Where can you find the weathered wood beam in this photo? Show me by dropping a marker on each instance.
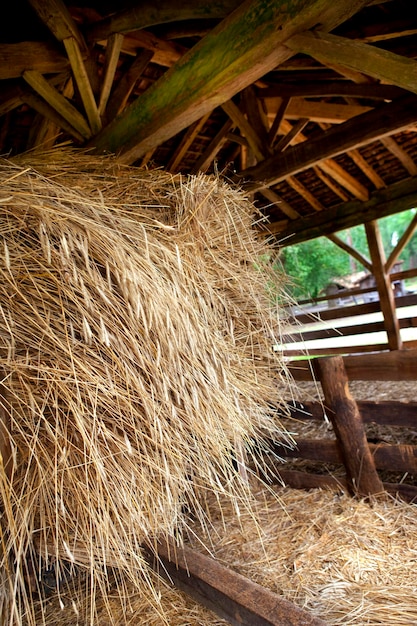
(154, 12)
(286, 140)
(256, 118)
(351, 251)
(359, 131)
(245, 128)
(56, 100)
(364, 166)
(241, 49)
(376, 62)
(348, 426)
(383, 284)
(45, 58)
(276, 123)
(324, 89)
(403, 241)
(317, 111)
(41, 106)
(229, 594)
(393, 199)
(126, 84)
(330, 183)
(400, 154)
(282, 204)
(165, 53)
(56, 16)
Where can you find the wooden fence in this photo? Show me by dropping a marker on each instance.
(298, 332)
(363, 461)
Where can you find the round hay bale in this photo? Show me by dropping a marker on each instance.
(136, 333)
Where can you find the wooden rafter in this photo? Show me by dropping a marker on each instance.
(114, 45)
(241, 49)
(359, 131)
(45, 58)
(186, 142)
(274, 198)
(120, 96)
(279, 116)
(358, 56)
(305, 193)
(203, 163)
(392, 199)
(400, 154)
(324, 89)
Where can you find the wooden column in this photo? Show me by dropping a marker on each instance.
(361, 473)
(383, 283)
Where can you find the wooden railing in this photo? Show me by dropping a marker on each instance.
(297, 332)
(362, 460)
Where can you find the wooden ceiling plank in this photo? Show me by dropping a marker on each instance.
(124, 88)
(147, 13)
(113, 48)
(41, 106)
(305, 193)
(400, 154)
(364, 166)
(356, 132)
(358, 56)
(388, 201)
(383, 283)
(241, 49)
(351, 251)
(322, 89)
(190, 134)
(45, 57)
(83, 83)
(206, 158)
(403, 241)
(56, 100)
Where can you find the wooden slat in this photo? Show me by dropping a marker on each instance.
(370, 60)
(231, 596)
(394, 365)
(359, 131)
(304, 480)
(343, 351)
(241, 49)
(399, 457)
(386, 412)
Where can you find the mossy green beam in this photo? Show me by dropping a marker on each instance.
(241, 49)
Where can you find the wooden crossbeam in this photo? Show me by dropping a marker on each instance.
(358, 56)
(241, 49)
(113, 48)
(351, 251)
(403, 241)
(228, 594)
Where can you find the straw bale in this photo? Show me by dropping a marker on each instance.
(136, 323)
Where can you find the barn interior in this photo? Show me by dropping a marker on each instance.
(307, 109)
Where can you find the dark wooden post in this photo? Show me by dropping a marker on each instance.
(362, 476)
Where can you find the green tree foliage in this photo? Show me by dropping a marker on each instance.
(311, 265)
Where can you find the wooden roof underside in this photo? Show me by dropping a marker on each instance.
(310, 105)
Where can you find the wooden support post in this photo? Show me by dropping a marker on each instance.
(231, 596)
(362, 476)
(383, 283)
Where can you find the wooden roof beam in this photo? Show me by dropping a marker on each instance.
(209, 154)
(190, 134)
(242, 48)
(400, 154)
(124, 88)
(376, 62)
(358, 131)
(393, 199)
(322, 89)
